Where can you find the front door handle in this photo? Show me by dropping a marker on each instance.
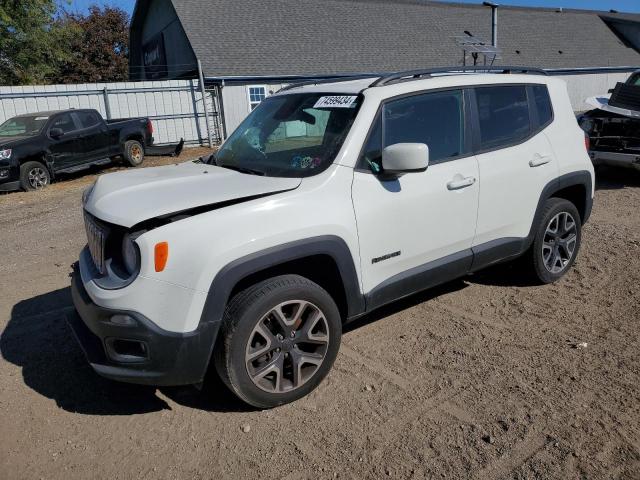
(459, 183)
(538, 160)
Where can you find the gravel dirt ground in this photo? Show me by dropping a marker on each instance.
(485, 378)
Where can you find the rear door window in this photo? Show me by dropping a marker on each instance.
(503, 113)
(88, 119)
(65, 123)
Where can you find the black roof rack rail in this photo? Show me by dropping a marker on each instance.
(337, 78)
(416, 74)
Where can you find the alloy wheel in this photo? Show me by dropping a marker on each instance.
(559, 242)
(38, 178)
(287, 346)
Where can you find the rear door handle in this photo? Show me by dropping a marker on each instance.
(457, 184)
(538, 160)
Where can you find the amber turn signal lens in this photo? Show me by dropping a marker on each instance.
(161, 255)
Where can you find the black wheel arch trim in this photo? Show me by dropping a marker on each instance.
(579, 178)
(335, 247)
(228, 277)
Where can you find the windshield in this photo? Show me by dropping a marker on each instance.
(294, 135)
(22, 126)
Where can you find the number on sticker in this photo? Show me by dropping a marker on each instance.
(337, 101)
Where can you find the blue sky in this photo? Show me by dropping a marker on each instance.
(82, 6)
(621, 5)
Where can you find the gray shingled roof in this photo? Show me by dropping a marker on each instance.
(309, 37)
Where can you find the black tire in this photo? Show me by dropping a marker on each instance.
(559, 257)
(133, 152)
(255, 305)
(34, 176)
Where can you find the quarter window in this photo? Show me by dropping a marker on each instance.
(257, 93)
(543, 104)
(372, 153)
(504, 115)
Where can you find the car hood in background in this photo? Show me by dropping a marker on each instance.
(12, 141)
(602, 102)
(130, 197)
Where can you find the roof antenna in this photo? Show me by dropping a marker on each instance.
(476, 47)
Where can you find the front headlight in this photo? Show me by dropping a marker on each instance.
(5, 154)
(130, 253)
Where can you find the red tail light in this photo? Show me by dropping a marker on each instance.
(587, 142)
(149, 127)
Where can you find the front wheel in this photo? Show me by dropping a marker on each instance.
(557, 241)
(278, 341)
(34, 176)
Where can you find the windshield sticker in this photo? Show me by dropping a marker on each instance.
(305, 162)
(336, 102)
(41, 118)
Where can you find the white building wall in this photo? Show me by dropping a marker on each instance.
(582, 87)
(236, 102)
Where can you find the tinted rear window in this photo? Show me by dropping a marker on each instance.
(504, 115)
(88, 119)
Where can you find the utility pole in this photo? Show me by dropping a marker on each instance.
(204, 102)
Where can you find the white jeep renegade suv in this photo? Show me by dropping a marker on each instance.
(328, 201)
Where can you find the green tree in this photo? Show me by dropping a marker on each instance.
(99, 46)
(33, 43)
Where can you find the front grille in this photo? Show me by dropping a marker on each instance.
(96, 236)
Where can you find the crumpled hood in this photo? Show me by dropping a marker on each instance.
(130, 197)
(602, 102)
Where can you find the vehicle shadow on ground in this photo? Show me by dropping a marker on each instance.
(610, 178)
(38, 339)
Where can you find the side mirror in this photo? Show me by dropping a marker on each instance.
(405, 158)
(56, 133)
(610, 90)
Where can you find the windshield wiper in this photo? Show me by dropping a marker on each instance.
(250, 171)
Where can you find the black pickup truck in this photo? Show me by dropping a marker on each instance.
(34, 148)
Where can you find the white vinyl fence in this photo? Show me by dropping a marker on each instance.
(175, 107)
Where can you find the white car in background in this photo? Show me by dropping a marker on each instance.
(330, 200)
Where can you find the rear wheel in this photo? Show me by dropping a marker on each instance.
(34, 176)
(278, 341)
(133, 152)
(557, 240)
